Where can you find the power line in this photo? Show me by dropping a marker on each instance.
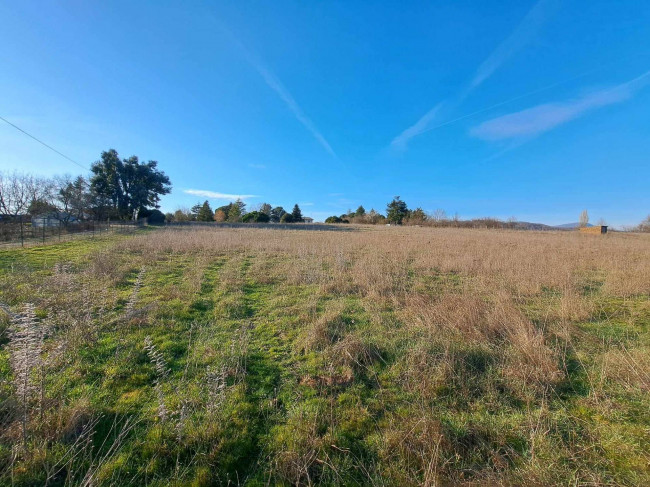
(41, 142)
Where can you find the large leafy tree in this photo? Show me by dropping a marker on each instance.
(128, 184)
(396, 210)
(277, 213)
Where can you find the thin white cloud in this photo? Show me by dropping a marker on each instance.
(418, 127)
(521, 36)
(218, 196)
(516, 41)
(276, 85)
(542, 118)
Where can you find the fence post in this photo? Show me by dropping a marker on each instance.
(93, 227)
(48, 220)
(22, 238)
(59, 230)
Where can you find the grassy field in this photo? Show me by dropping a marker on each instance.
(371, 356)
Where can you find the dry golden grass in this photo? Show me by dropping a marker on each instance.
(360, 356)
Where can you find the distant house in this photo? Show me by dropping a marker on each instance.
(53, 219)
(307, 219)
(595, 230)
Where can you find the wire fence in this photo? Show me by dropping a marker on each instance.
(18, 233)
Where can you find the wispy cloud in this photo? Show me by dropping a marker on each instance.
(542, 118)
(276, 85)
(257, 166)
(217, 195)
(516, 41)
(525, 31)
(418, 127)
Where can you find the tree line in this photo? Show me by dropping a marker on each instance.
(123, 189)
(127, 189)
(236, 212)
(397, 212)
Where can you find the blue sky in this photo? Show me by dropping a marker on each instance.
(485, 108)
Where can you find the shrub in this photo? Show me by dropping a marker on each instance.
(255, 217)
(333, 219)
(154, 217)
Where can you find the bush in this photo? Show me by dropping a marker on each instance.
(336, 219)
(154, 217)
(287, 218)
(255, 217)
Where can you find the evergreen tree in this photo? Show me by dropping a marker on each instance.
(194, 212)
(237, 210)
(296, 214)
(360, 211)
(205, 213)
(417, 216)
(396, 210)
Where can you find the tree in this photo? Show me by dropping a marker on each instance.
(374, 217)
(255, 217)
(417, 216)
(644, 226)
(194, 211)
(296, 214)
(73, 197)
(41, 206)
(182, 215)
(287, 218)
(335, 219)
(361, 211)
(237, 210)
(18, 191)
(129, 185)
(220, 216)
(396, 211)
(205, 213)
(265, 208)
(276, 214)
(225, 209)
(439, 215)
(154, 217)
(584, 219)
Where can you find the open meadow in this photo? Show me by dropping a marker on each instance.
(358, 356)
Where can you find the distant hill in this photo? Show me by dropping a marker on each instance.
(532, 226)
(571, 225)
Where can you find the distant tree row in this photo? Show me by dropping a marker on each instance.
(117, 188)
(397, 212)
(236, 212)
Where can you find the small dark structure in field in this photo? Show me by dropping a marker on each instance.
(596, 230)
